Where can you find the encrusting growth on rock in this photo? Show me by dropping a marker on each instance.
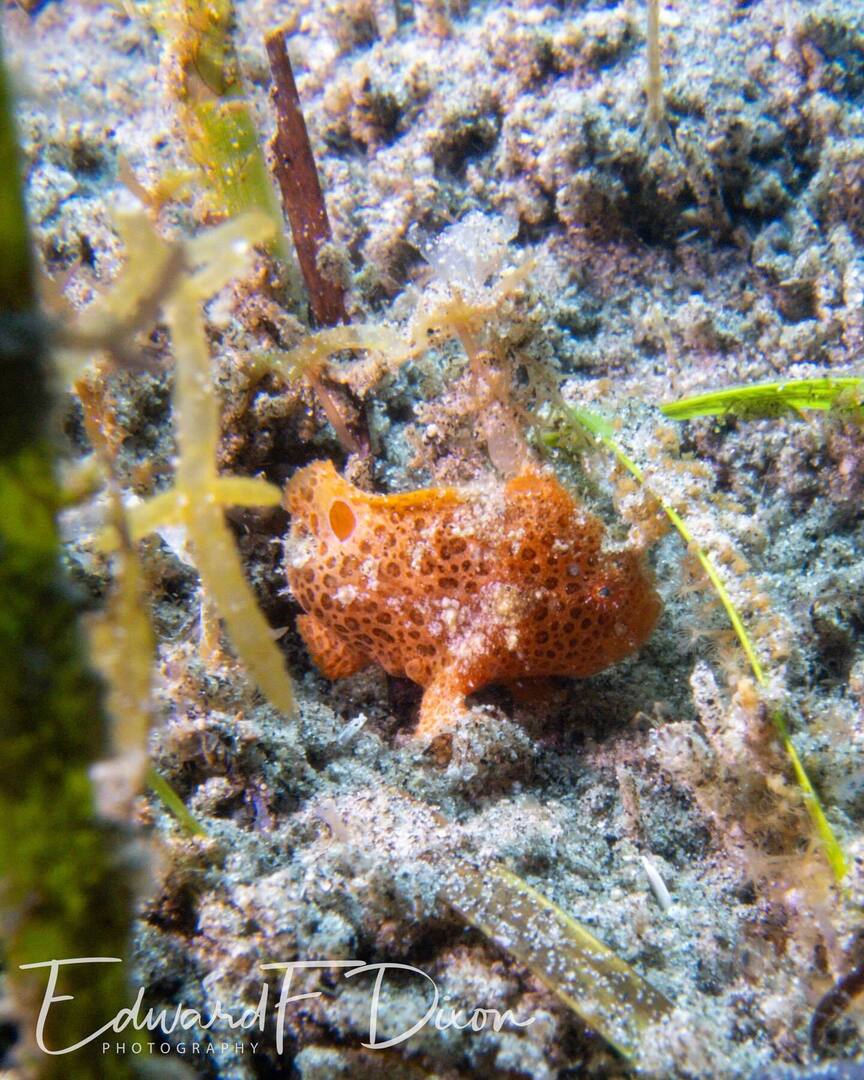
(457, 588)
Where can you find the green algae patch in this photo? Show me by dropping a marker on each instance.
(592, 981)
(59, 861)
(771, 399)
(217, 120)
(602, 431)
(406, 837)
(199, 495)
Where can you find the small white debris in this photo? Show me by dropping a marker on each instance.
(468, 253)
(345, 595)
(116, 782)
(351, 728)
(658, 885)
(176, 539)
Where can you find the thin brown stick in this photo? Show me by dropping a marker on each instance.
(835, 1002)
(298, 181)
(654, 82)
(304, 204)
(345, 412)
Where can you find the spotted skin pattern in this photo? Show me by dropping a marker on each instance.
(457, 588)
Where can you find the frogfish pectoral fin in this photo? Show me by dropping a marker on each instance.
(331, 655)
(442, 705)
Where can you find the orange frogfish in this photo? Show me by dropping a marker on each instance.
(457, 588)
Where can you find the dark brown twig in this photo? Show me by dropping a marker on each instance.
(835, 1002)
(346, 413)
(304, 204)
(301, 191)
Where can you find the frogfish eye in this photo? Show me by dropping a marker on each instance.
(342, 519)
